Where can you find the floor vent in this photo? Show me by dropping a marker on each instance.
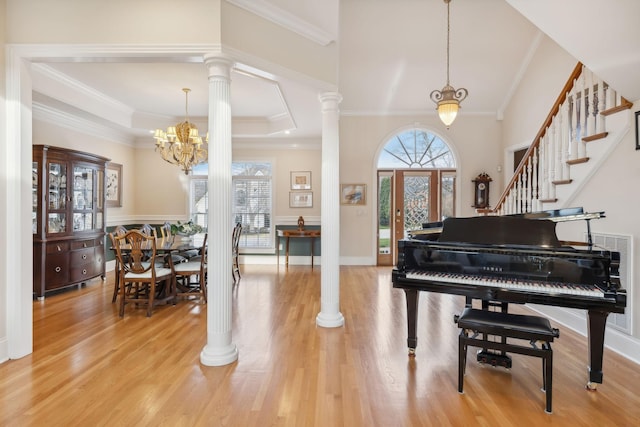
(622, 244)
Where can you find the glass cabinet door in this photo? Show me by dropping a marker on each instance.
(83, 198)
(57, 198)
(34, 197)
(99, 197)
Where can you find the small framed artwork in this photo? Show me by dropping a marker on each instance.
(301, 180)
(114, 185)
(300, 199)
(637, 130)
(353, 194)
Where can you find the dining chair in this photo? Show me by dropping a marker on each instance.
(148, 230)
(165, 230)
(120, 230)
(191, 276)
(139, 275)
(235, 241)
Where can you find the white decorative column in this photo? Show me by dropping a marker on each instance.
(330, 316)
(219, 349)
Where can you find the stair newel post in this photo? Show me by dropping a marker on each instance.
(573, 153)
(600, 119)
(534, 182)
(590, 104)
(557, 151)
(523, 191)
(582, 117)
(529, 188)
(564, 140)
(552, 165)
(544, 189)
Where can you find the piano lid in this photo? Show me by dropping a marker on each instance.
(500, 230)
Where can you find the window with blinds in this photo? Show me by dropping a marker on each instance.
(252, 201)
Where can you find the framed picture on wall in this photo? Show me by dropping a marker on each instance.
(301, 199)
(113, 180)
(301, 180)
(353, 194)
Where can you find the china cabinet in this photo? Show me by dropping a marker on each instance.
(68, 217)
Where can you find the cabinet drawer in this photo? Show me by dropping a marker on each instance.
(56, 270)
(83, 272)
(58, 247)
(84, 243)
(82, 256)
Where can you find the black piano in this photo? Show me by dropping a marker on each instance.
(513, 259)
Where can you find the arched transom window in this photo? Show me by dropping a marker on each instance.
(416, 148)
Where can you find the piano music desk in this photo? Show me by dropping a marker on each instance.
(295, 233)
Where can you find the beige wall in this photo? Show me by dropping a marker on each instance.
(99, 21)
(278, 46)
(475, 141)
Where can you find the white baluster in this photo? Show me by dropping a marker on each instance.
(600, 119)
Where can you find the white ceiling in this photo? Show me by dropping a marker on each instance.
(392, 55)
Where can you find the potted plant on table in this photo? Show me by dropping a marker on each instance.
(188, 228)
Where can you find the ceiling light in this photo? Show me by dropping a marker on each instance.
(180, 144)
(448, 99)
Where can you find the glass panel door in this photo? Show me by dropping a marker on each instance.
(57, 198)
(385, 223)
(99, 197)
(416, 200)
(83, 198)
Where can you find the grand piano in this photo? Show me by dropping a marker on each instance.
(513, 259)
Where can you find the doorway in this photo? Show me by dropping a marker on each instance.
(407, 199)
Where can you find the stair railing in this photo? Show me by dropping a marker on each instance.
(577, 117)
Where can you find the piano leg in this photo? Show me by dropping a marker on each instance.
(412, 318)
(596, 326)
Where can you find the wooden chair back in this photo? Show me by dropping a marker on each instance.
(141, 254)
(148, 230)
(165, 230)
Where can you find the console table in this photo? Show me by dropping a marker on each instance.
(288, 234)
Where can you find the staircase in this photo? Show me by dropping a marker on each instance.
(584, 125)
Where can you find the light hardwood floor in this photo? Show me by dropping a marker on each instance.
(91, 368)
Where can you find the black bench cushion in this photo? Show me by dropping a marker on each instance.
(507, 324)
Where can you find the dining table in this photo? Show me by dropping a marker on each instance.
(166, 246)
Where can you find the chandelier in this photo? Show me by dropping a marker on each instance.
(180, 144)
(448, 99)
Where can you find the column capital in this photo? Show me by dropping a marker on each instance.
(219, 64)
(327, 97)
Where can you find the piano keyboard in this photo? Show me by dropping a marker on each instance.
(511, 284)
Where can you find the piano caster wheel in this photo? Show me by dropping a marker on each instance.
(592, 386)
(412, 352)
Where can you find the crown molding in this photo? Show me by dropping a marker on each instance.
(70, 121)
(286, 20)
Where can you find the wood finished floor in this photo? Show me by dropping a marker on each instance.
(91, 368)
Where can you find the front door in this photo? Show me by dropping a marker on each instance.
(406, 200)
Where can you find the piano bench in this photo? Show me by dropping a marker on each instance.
(476, 324)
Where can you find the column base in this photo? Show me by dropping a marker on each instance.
(327, 320)
(210, 356)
